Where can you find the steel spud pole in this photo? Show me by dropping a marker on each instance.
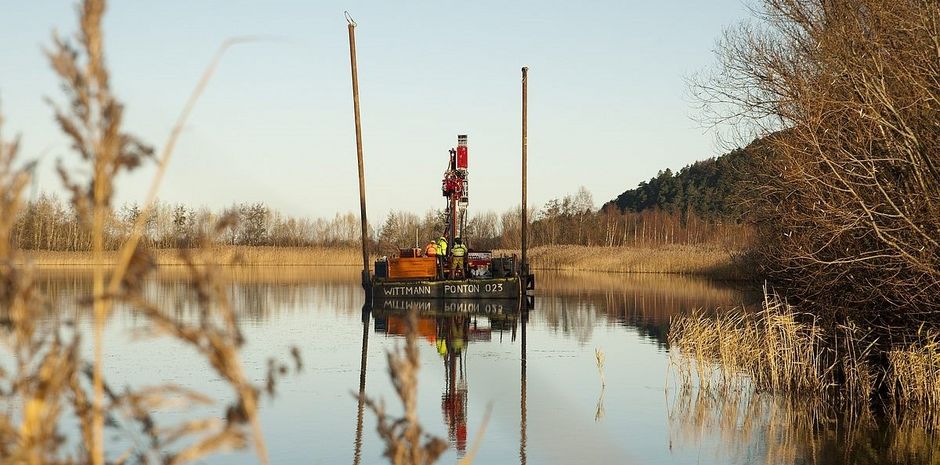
(366, 279)
(525, 221)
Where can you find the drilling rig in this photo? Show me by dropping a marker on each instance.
(455, 188)
(418, 275)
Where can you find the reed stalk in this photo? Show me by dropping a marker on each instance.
(50, 380)
(788, 353)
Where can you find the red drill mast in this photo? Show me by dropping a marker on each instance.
(456, 190)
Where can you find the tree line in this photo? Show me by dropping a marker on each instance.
(710, 189)
(48, 223)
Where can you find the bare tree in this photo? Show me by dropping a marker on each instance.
(847, 180)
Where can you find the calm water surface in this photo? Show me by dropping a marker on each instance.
(538, 372)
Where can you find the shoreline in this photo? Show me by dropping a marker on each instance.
(701, 261)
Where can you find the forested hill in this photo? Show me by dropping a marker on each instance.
(706, 188)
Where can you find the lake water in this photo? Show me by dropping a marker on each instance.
(536, 371)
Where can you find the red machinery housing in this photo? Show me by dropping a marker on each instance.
(455, 188)
(462, 152)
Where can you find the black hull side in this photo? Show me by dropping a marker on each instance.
(488, 288)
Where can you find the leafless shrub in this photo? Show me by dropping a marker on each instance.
(846, 182)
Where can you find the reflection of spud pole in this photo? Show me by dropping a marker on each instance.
(366, 281)
(357, 454)
(522, 400)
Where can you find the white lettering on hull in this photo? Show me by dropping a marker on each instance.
(407, 290)
(461, 288)
(449, 289)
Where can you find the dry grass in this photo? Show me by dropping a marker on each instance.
(688, 260)
(600, 359)
(776, 349)
(782, 351)
(404, 438)
(220, 255)
(913, 376)
(53, 384)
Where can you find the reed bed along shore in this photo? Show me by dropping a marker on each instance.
(224, 255)
(785, 352)
(708, 261)
(686, 260)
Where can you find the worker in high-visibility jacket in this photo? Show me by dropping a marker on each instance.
(442, 246)
(430, 250)
(458, 261)
(441, 249)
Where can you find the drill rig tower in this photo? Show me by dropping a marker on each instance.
(455, 188)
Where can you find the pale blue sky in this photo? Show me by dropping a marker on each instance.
(608, 104)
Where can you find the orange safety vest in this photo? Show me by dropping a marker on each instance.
(431, 249)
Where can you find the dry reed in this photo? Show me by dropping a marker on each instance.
(913, 377)
(776, 349)
(221, 255)
(405, 441)
(52, 380)
(599, 358)
(686, 260)
(404, 438)
(781, 351)
(673, 259)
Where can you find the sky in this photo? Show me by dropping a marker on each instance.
(608, 106)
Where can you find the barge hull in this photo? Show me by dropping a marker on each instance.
(490, 288)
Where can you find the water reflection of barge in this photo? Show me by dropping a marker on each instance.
(452, 327)
(488, 307)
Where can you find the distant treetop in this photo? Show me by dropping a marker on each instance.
(707, 188)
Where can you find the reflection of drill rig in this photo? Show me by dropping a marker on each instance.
(451, 333)
(451, 343)
(456, 189)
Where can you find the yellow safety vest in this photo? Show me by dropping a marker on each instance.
(442, 247)
(460, 250)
